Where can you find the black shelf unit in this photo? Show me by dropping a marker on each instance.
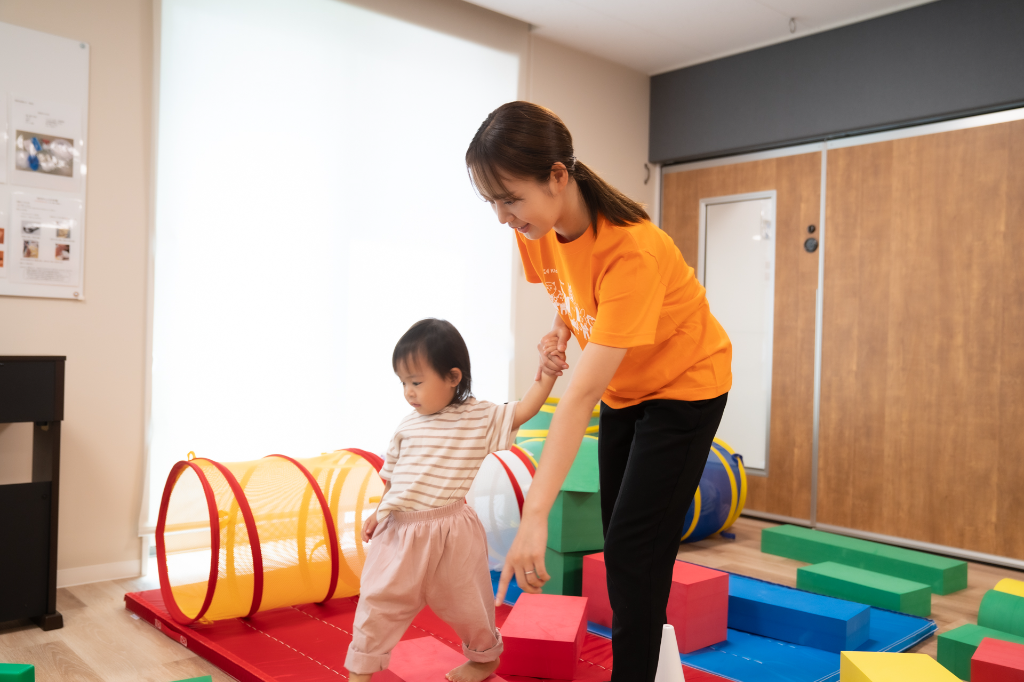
(32, 390)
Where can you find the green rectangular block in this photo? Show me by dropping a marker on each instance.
(566, 571)
(574, 523)
(941, 574)
(957, 646)
(204, 678)
(17, 672)
(866, 587)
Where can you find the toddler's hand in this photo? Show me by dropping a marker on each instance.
(369, 526)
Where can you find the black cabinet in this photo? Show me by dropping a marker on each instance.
(32, 390)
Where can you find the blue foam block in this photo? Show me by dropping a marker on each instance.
(803, 618)
(749, 657)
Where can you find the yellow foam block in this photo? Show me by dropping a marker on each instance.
(874, 666)
(1010, 586)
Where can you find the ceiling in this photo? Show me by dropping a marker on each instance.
(654, 36)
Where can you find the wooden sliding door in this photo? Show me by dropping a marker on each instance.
(922, 392)
(786, 490)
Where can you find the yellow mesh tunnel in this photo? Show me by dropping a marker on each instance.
(263, 534)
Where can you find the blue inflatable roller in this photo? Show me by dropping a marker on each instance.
(720, 497)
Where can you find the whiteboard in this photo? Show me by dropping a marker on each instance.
(44, 108)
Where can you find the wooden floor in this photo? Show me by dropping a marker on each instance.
(102, 642)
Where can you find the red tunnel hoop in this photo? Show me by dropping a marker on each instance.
(524, 457)
(250, 529)
(161, 549)
(511, 479)
(332, 531)
(375, 461)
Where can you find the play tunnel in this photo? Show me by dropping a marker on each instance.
(263, 534)
(721, 496)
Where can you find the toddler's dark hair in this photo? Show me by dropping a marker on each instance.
(441, 345)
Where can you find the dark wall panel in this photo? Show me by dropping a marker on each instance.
(940, 60)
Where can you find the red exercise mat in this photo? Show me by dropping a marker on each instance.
(308, 643)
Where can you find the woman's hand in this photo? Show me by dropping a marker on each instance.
(552, 349)
(525, 559)
(369, 526)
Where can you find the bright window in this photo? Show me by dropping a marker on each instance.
(312, 203)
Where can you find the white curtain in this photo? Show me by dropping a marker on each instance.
(312, 203)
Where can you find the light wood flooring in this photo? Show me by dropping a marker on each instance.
(102, 642)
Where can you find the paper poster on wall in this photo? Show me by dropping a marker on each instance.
(3, 233)
(44, 243)
(44, 145)
(3, 140)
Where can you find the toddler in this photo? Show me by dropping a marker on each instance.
(429, 547)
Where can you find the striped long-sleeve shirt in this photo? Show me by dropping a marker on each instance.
(433, 459)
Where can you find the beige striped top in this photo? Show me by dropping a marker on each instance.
(433, 458)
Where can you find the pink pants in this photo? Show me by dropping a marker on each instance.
(436, 558)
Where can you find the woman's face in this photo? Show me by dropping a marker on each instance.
(533, 208)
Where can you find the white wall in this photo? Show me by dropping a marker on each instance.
(104, 337)
(606, 108)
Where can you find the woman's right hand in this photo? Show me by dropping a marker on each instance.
(552, 348)
(525, 559)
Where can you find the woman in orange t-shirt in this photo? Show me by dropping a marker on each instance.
(653, 354)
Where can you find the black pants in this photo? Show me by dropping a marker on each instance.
(651, 458)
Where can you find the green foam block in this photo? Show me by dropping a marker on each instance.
(17, 672)
(941, 574)
(957, 646)
(574, 523)
(866, 587)
(1002, 611)
(204, 678)
(566, 571)
(583, 476)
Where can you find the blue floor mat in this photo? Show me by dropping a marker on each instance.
(749, 658)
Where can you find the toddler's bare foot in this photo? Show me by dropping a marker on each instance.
(473, 672)
(360, 677)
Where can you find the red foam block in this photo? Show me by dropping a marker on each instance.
(425, 660)
(543, 636)
(997, 661)
(698, 605)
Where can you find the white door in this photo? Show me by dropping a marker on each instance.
(737, 267)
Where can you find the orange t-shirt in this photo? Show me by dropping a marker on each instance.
(629, 287)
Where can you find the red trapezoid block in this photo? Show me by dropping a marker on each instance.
(698, 605)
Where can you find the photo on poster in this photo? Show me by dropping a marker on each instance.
(45, 145)
(39, 153)
(30, 248)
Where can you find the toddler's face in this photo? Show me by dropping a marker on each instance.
(426, 390)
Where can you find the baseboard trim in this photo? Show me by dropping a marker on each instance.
(776, 517)
(980, 557)
(69, 577)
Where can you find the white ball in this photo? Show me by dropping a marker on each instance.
(494, 499)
